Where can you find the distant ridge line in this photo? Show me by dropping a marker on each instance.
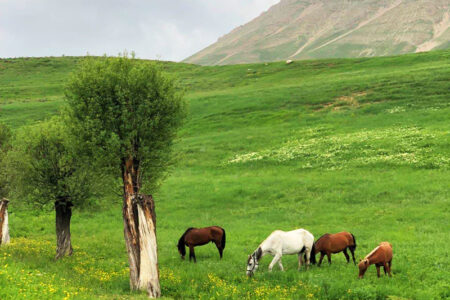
(305, 29)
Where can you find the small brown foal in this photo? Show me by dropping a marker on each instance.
(380, 256)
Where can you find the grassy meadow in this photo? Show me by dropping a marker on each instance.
(361, 145)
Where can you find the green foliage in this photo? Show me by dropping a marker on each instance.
(123, 108)
(44, 167)
(5, 136)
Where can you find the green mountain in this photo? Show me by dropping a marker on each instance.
(305, 29)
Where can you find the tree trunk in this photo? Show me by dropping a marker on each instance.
(63, 214)
(140, 233)
(4, 226)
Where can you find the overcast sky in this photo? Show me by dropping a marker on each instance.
(164, 29)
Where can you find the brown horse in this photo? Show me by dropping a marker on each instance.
(201, 236)
(380, 256)
(335, 243)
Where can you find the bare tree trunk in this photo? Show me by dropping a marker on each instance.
(63, 215)
(4, 225)
(140, 233)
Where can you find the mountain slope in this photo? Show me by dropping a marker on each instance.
(305, 29)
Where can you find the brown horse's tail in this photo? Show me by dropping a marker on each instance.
(354, 241)
(313, 254)
(223, 239)
(181, 243)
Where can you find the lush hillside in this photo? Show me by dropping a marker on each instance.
(342, 144)
(305, 29)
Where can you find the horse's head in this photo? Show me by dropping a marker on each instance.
(363, 265)
(182, 251)
(252, 265)
(181, 248)
(253, 262)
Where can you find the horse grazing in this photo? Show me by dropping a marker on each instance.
(335, 243)
(279, 243)
(380, 256)
(201, 236)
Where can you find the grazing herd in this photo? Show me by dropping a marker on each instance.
(299, 242)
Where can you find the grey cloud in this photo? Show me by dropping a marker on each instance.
(168, 29)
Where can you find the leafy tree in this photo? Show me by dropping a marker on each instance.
(5, 137)
(128, 113)
(45, 170)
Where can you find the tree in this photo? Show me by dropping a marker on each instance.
(5, 139)
(4, 226)
(45, 170)
(128, 113)
(5, 136)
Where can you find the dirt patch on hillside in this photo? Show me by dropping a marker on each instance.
(347, 101)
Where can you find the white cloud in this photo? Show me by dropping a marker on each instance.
(170, 29)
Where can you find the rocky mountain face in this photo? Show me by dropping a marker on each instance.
(307, 29)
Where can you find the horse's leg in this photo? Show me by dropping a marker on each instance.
(346, 255)
(274, 261)
(299, 261)
(389, 270)
(352, 250)
(329, 257)
(308, 256)
(378, 270)
(219, 247)
(280, 264)
(192, 254)
(322, 255)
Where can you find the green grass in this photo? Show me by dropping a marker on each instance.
(361, 145)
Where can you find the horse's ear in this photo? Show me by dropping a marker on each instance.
(258, 253)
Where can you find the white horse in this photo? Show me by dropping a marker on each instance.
(279, 243)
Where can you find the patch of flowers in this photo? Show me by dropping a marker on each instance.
(320, 148)
(219, 288)
(29, 282)
(395, 110)
(169, 276)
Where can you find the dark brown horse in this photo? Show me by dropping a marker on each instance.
(201, 236)
(380, 256)
(335, 243)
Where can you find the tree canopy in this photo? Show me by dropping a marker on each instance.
(123, 108)
(44, 167)
(5, 139)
